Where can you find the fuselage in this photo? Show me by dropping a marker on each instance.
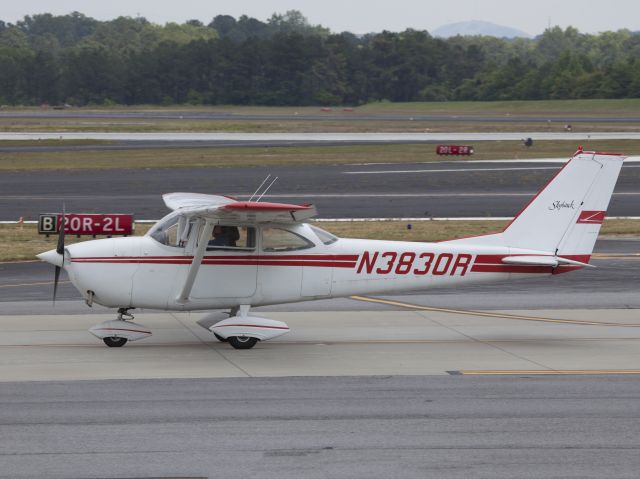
(302, 263)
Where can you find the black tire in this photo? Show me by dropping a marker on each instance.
(242, 342)
(220, 338)
(114, 342)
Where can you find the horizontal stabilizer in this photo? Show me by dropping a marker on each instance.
(552, 261)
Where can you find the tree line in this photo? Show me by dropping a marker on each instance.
(285, 60)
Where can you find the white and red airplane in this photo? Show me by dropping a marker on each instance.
(263, 253)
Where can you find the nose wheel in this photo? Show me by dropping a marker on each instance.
(114, 342)
(118, 332)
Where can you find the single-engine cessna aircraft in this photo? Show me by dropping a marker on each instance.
(215, 253)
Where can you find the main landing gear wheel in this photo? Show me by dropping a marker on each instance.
(242, 342)
(114, 342)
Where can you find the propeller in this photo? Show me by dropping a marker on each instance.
(60, 251)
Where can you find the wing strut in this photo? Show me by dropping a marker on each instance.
(197, 261)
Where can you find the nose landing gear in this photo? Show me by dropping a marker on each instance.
(114, 341)
(117, 332)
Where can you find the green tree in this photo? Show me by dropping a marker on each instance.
(293, 21)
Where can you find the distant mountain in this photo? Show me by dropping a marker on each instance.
(476, 27)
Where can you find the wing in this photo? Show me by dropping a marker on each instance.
(213, 207)
(177, 201)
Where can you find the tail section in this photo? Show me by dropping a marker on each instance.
(565, 217)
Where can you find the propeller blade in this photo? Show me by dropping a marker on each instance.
(60, 247)
(55, 283)
(59, 250)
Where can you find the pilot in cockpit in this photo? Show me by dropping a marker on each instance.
(224, 236)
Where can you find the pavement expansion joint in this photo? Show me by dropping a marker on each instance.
(210, 346)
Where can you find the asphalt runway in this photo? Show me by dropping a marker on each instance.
(443, 189)
(409, 427)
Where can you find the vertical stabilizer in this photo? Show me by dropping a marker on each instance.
(566, 216)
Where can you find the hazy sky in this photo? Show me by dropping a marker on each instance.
(359, 16)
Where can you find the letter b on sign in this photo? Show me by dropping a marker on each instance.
(48, 224)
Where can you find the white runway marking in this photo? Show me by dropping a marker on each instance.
(629, 159)
(458, 170)
(452, 170)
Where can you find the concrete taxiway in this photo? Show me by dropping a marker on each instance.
(406, 393)
(412, 341)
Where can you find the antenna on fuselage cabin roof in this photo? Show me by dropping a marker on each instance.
(267, 189)
(258, 188)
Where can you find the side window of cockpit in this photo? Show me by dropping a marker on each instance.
(276, 239)
(232, 237)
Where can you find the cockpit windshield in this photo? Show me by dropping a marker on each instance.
(172, 230)
(324, 236)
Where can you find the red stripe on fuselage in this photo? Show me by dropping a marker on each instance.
(261, 262)
(319, 257)
(335, 261)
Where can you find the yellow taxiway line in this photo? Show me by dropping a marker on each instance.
(550, 372)
(625, 256)
(491, 315)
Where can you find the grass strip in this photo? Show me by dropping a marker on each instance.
(629, 106)
(293, 155)
(409, 124)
